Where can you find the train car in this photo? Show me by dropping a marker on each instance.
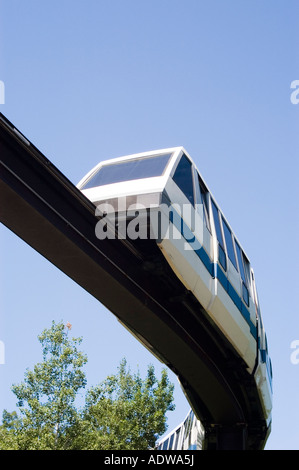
(189, 435)
(171, 198)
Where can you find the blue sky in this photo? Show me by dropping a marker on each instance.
(90, 80)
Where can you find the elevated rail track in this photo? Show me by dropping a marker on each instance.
(42, 207)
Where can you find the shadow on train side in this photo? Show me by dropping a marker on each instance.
(159, 254)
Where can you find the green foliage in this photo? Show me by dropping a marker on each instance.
(122, 412)
(126, 412)
(46, 398)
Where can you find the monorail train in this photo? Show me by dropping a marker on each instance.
(188, 435)
(195, 239)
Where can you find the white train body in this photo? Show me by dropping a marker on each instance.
(189, 435)
(198, 244)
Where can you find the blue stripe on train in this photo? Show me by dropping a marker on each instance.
(214, 270)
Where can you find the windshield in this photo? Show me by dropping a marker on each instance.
(144, 167)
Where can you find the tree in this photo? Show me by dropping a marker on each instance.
(122, 412)
(46, 397)
(125, 412)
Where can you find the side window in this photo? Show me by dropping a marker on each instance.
(221, 252)
(241, 259)
(177, 435)
(183, 178)
(229, 243)
(201, 198)
(165, 444)
(171, 441)
(240, 262)
(247, 270)
(217, 224)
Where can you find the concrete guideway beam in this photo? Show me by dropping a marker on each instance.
(48, 212)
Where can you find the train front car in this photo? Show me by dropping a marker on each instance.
(177, 211)
(127, 182)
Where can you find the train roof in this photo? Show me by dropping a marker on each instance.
(176, 151)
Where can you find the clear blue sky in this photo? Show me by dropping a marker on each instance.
(96, 79)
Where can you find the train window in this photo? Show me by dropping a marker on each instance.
(245, 293)
(217, 224)
(201, 198)
(187, 426)
(229, 243)
(145, 167)
(183, 178)
(171, 441)
(240, 262)
(221, 252)
(165, 444)
(247, 270)
(177, 434)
